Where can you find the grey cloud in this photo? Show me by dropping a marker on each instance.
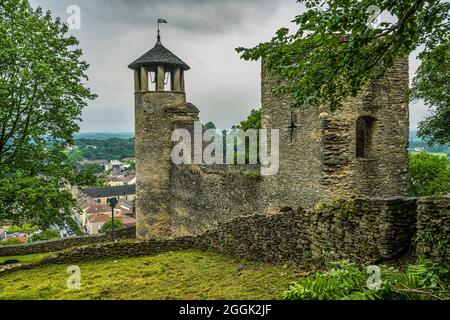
(205, 16)
(203, 33)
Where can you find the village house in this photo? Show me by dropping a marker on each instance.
(93, 215)
(102, 195)
(97, 220)
(120, 179)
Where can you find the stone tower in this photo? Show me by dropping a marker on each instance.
(160, 107)
(361, 150)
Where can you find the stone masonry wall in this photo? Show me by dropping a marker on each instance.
(298, 182)
(203, 196)
(433, 228)
(65, 243)
(383, 171)
(153, 149)
(318, 159)
(363, 230)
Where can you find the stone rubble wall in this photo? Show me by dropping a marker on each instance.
(64, 243)
(362, 230)
(433, 228)
(366, 231)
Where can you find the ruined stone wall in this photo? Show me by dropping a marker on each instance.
(383, 172)
(362, 230)
(204, 196)
(318, 160)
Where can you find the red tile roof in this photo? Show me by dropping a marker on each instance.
(98, 208)
(96, 218)
(99, 218)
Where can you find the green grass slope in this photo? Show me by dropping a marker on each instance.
(173, 275)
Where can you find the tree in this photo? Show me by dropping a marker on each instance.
(210, 126)
(48, 234)
(337, 50)
(42, 94)
(87, 176)
(429, 175)
(253, 121)
(432, 84)
(108, 226)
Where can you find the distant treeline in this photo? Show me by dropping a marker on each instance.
(111, 149)
(103, 135)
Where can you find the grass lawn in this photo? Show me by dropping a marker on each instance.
(173, 275)
(25, 259)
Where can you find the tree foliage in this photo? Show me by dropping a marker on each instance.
(429, 175)
(210, 126)
(432, 84)
(108, 226)
(110, 149)
(336, 50)
(42, 94)
(253, 121)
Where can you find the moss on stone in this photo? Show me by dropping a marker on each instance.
(345, 208)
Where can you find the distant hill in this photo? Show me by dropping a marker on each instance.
(417, 143)
(104, 135)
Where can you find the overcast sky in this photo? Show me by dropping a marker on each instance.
(203, 33)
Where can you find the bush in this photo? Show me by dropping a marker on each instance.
(346, 281)
(10, 242)
(48, 234)
(26, 228)
(108, 226)
(429, 175)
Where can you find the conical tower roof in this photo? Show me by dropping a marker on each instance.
(159, 55)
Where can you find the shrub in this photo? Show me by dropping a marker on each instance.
(108, 226)
(48, 234)
(429, 175)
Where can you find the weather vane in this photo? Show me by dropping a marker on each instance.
(159, 22)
